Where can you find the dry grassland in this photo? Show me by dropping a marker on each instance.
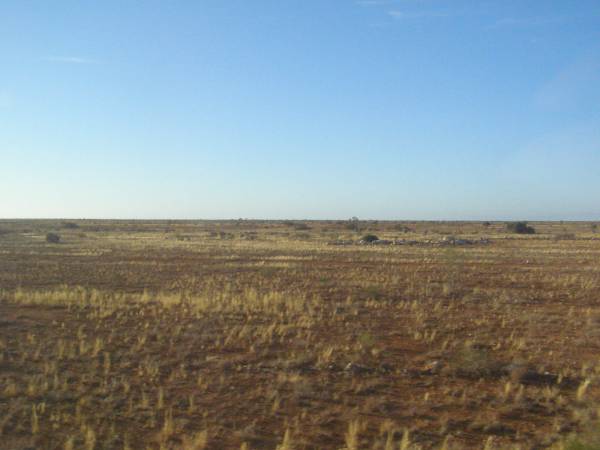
(259, 335)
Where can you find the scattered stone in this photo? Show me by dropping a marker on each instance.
(432, 367)
(451, 240)
(386, 368)
(356, 369)
(382, 242)
(448, 240)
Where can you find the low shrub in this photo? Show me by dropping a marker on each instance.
(70, 225)
(520, 228)
(475, 362)
(301, 226)
(52, 238)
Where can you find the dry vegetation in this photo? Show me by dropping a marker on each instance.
(258, 335)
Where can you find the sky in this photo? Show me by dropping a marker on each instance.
(300, 109)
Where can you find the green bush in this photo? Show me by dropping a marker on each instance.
(52, 238)
(70, 225)
(520, 228)
(475, 362)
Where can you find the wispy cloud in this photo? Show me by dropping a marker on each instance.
(391, 8)
(526, 22)
(70, 60)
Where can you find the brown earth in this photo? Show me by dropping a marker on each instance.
(239, 333)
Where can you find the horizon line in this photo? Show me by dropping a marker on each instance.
(254, 219)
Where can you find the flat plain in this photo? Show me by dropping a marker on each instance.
(263, 335)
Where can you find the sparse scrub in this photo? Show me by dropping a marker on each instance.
(52, 238)
(277, 342)
(301, 226)
(520, 228)
(70, 225)
(474, 361)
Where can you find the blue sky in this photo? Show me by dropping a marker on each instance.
(397, 109)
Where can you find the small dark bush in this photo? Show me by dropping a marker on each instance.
(52, 238)
(301, 226)
(487, 224)
(70, 225)
(520, 228)
(369, 238)
(475, 362)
